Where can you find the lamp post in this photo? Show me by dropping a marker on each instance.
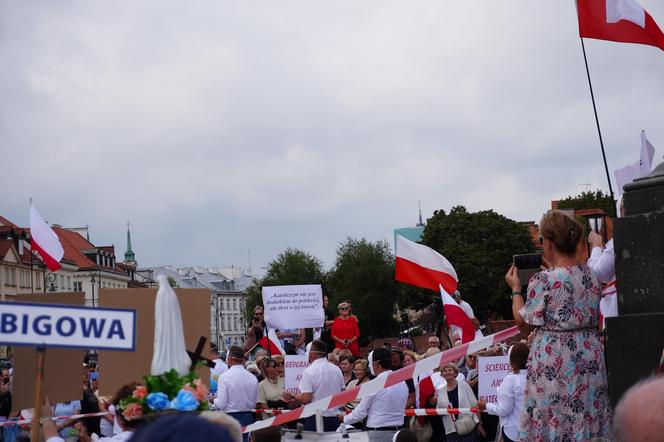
(50, 279)
(92, 284)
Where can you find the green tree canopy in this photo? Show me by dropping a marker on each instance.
(364, 273)
(589, 200)
(290, 267)
(480, 246)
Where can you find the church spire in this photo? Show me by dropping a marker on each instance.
(420, 223)
(129, 257)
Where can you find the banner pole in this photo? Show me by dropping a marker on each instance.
(599, 131)
(39, 381)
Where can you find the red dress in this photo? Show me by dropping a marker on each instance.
(346, 329)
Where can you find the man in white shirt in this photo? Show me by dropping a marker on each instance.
(319, 380)
(383, 410)
(602, 262)
(238, 389)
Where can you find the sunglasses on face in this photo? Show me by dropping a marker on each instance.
(472, 357)
(343, 308)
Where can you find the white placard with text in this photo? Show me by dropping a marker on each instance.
(492, 371)
(293, 306)
(294, 366)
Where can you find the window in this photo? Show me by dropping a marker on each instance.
(38, 281)
(78, 286)
(233, 303)
(235, 322)
(25, 278)
(68, 282)
(62, 282)
(222, 323)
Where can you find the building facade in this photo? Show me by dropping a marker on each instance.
(227, 287)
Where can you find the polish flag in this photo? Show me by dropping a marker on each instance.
(422, 266)
(623, 21)
(271, 343)
(456, 317)
(44, 240)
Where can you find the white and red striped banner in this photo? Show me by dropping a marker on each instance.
(412, 371)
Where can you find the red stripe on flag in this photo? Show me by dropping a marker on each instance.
(411, 273)
(456, 316)
(267, 343)
(51, 263)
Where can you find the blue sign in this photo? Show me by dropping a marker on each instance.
(67, 326)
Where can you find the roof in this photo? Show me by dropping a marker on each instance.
(73, 243)
(5, 245)
(5, 222)
(213, 278)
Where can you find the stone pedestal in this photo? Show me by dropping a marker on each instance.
(634, 339)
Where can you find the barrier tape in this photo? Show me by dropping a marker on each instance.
(438, 411)
(54, 418)
(407, 412)
(425, 366)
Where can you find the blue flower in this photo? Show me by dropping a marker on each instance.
(184, 401)
(157, 401)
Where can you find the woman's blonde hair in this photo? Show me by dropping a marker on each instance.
(412, 354)
(563, 230)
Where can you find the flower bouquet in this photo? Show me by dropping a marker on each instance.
(164, 393)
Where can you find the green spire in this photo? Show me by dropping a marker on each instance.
(129, 254)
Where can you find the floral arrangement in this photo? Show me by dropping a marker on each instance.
(166, 392)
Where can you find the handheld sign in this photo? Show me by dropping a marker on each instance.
(67, 326)
(492, 371)
(294, 366)
(293, 306)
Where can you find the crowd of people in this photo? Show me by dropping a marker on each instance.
(556, 389)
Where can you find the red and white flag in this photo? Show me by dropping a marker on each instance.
(641, 168)
(44, 240)
(456, 317)
(271, 343)
(624, 21)
(422, 266)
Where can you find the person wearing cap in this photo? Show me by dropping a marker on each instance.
(345, 331)
(384, 410)
(319, 380)
(237, 392)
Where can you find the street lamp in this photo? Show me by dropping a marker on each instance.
(50, 279)
(92, 284)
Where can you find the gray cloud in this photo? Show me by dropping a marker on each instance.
(216, 127)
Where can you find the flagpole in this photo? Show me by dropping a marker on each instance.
(599, 131)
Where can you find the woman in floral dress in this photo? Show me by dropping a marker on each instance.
(566, 396)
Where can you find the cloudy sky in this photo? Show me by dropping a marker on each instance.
(220, 127)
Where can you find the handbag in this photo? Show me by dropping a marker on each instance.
(423, 432)
(464, 424)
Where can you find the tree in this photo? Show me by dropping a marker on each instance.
(290, 267)
(364, 273)
(590, 200)
(480, 246)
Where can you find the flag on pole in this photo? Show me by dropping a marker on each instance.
(456, 317)
(623, 21)
(639, 169)
(422, 266)
(44, 240)
(271, 343)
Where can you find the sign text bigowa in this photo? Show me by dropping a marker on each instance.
(67, 326)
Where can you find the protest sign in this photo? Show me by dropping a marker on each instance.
(492, 371)
(293, 306)
(62, 371)
(294, 366)
(66, 326)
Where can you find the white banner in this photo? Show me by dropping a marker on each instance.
(294, 366)
(492, 371)
(67, 326)
(293, 306)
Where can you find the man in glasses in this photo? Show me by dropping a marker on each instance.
(433, 342)
(256, 329)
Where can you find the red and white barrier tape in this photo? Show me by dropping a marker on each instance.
(71, 416)
(412, 371)
(438, 411)
(407, 412)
